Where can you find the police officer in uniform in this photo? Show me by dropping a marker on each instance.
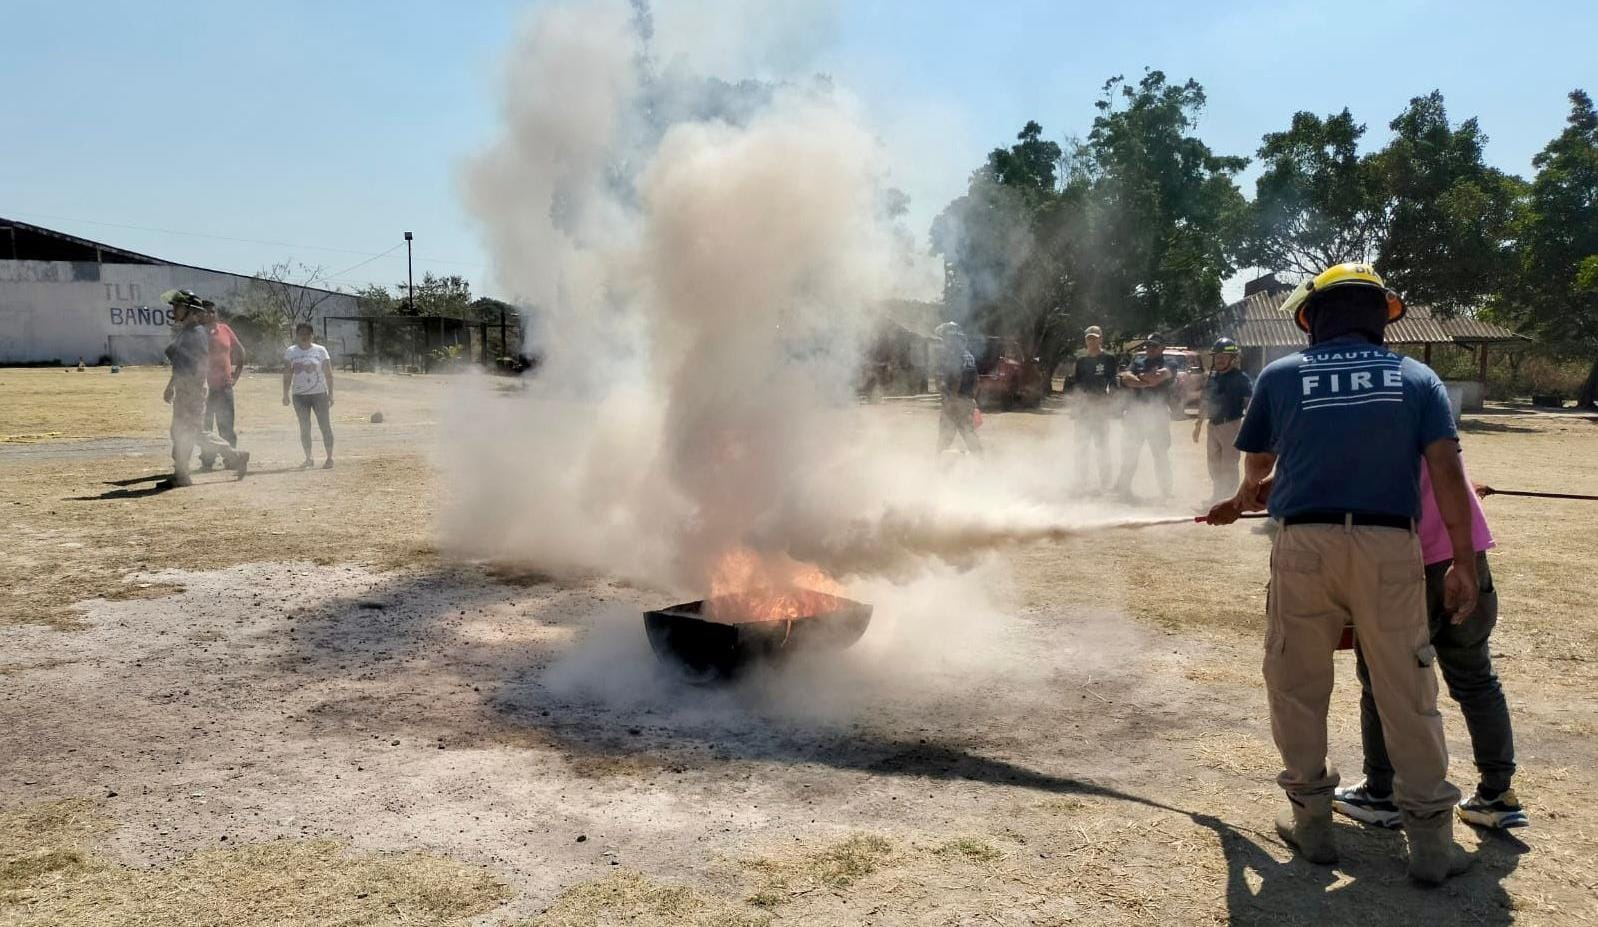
(1150, 380)
(1344, 424)
(1094, 381)
(189, 354)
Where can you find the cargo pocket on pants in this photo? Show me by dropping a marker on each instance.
(1296, 584)
(1403, 596)
(1273, 623)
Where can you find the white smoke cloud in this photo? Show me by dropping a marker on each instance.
(705, 257)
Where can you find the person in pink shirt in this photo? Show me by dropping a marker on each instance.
(1463, 653)
(226, 365)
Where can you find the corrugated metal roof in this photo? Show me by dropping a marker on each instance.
(1477, 331)
(1257, 321)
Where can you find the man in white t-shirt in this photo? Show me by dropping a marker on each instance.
(308, 385)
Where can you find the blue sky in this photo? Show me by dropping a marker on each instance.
(318, 132)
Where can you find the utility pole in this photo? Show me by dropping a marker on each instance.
(410, 278)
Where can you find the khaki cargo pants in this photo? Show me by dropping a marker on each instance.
(1323, 576)
(1222, 456)
(188, 427)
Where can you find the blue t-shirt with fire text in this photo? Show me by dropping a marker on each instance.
(1348, 421)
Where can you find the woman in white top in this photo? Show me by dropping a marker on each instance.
(308, 384)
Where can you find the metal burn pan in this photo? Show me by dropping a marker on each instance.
(710, 649)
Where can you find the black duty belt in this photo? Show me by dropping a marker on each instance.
(1366, 519)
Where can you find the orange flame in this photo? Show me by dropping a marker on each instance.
(744, 586)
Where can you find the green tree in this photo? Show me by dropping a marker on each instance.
(1557, 291)
(1139, 235)
(1004, 271)
(1449, 239)
(1159, 213)
(986, 235)
(1316, 203)
(488, 309)
(374, 301)
(449, 296)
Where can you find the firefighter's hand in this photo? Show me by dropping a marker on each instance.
(168, 393)
(1198, 426)
(285, 398)
(1460, 589)
(1224, 513)
(1248, 499)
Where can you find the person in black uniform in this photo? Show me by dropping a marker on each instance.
(1226, 394)
(1151, 377)
(1093, 380)
(957, 390)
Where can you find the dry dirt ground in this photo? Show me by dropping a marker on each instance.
(312, 716)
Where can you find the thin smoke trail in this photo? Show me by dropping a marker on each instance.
(897, 541)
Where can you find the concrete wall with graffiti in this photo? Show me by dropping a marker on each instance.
(62, 311)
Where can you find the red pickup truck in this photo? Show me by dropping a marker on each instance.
(1006, 377)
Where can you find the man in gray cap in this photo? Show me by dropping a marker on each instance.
(1093, 380)
(1148, 416)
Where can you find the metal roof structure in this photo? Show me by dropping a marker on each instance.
(1257, 321)
(23, 241)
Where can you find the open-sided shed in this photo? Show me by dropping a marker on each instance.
(1265, 333)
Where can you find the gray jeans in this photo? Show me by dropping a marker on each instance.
(304, 406)
(219, 418)
(1466, 660)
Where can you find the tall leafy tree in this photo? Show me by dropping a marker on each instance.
(1448, 241)
(1138, 233)
(1316, 203)
(1160, 212)
(1557, 289)
(449, 296)
(988, 238)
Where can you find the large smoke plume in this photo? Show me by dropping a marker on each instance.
(704, 258)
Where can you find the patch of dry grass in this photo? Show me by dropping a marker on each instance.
(1232, 752)
(969, 848)
(630, 898)
(49, 876)
(141, 590)
(52, 404)
(66, 550)
(76, 533)
(831, 868)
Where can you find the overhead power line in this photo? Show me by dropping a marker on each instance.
(250, 241)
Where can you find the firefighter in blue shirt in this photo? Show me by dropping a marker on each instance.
(1344, 424)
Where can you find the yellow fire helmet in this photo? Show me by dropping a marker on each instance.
(1340, 275)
